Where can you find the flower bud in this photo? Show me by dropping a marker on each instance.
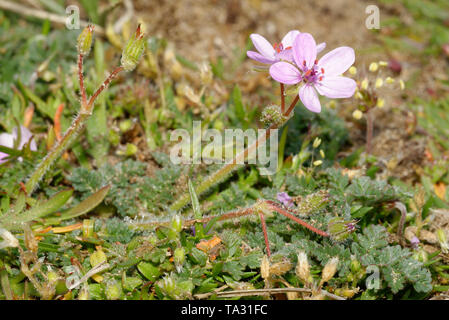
(303, 268)
(329, 269)
(339, 229)
(365, 83)
(176, 223)
(383, 63)
(402, 84)
(316, 142)
(179, 258)
(85, 40)
(380, 103)
(443, 241)
(317, 163)
(205, 74)
(379, 83)
(167, 285)
(355, 265)
(373, 67)
(357, 114)
(389, 80)
(133, 51)
(353, 70)
(421, 255)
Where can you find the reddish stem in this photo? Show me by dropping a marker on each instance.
(292, 106)
(282, 98)
(81, 79)
(265, 233)
(104, 85)
(274, 207)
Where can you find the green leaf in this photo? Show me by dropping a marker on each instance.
(195, 203)
(149, 270)
(130, 283)
(198, 257)
(84, 206)
(40, 210)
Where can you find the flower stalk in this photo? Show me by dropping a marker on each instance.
(227, 169)
(130, 57)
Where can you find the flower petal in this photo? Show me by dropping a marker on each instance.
(285, 72)
(258, 57)
(289, 38)
(336, 87)
(25, 137)
(263, 46)
(337, 61)
(6, 140)
(304, 49)
(321, 47)
(309, 98)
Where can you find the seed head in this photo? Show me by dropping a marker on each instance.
(265, 267)
(273, 115)
(303, 268)
(329, 269)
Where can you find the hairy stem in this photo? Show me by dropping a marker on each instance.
(274, 207)
(81, 80)
(282, 98)
(265, 233)
(192, 222)
(221, 173)
(70, 135)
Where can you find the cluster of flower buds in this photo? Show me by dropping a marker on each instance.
(370, 89)
(272, 115)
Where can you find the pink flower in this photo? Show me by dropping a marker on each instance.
(285, 199)
(323, 76)
(279, 51)
(8, 139)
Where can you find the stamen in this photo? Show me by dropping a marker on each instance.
(321, 78)
(322, 70)
(316, 61)
(304, 63)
